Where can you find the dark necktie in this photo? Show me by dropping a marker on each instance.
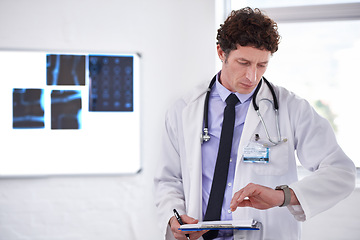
(213, 210)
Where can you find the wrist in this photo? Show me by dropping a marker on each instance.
(294, 199)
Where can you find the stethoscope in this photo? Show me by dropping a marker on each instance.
(205, 135)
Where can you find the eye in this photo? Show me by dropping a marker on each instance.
(244, 63)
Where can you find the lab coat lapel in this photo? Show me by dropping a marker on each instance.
(252, 120)
(192, 124)
(192, 118)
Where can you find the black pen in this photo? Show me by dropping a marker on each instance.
(177, 215)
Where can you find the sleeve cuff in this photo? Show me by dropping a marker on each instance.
(298, 212)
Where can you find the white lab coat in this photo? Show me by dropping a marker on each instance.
(178, 181)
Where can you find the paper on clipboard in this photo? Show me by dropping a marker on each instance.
(218, 225)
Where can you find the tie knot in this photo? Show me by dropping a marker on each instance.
(232, 99)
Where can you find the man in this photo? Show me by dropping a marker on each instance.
(261, 158)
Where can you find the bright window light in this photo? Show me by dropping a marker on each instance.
(318, 60)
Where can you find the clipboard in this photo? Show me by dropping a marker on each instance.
(221, 225)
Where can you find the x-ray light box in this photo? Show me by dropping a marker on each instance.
(69, 113)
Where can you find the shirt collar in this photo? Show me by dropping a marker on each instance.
(224, 92)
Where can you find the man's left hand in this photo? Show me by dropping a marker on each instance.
(259, 197)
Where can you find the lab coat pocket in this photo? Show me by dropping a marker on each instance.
(278, 162)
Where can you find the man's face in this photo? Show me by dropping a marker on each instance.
(243, 68)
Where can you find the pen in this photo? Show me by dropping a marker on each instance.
(177, 215)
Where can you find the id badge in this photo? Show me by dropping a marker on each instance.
(256, 153)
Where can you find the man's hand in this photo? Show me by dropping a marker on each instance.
(260, 197)
(180, 235)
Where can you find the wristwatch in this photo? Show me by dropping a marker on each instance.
(287, 194)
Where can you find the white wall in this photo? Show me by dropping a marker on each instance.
(177, 41)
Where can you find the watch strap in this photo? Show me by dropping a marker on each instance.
(287, 194)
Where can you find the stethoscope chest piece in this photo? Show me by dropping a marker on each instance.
(204, 137)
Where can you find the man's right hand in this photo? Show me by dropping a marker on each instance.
(180, 235)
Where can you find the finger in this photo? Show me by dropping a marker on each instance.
(198, 234)
(244, 196)
(180, 236)
(245, 203)
(188, 220)
(241, 196)
(236, 197)
(174, 225)
(247, 192)
(233, 205)
(192, 234)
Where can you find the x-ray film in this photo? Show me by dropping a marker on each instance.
(111, 83)
(65, 69)
(28, 108)
(65, 109)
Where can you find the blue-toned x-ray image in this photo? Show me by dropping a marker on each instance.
(28, 108)
(66, 109)
(65, 69)
(111, 83)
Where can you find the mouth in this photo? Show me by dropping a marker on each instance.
(246, 85)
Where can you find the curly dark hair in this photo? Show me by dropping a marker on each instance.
(248, 27)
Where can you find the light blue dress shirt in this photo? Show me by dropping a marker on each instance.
(209, 149)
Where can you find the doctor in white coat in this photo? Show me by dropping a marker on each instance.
(305, 134)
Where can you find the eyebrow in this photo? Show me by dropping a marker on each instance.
(246, 60)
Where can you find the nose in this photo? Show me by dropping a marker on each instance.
(251, 74)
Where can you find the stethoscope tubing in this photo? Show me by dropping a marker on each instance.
(205, 135)
(206, 105)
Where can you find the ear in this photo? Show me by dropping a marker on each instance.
(220, 53)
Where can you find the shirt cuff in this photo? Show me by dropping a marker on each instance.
(298, 212)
